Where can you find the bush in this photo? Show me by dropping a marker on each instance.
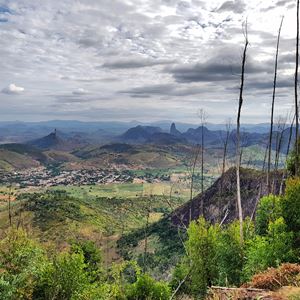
(201, 247)
(92, 258)
(291, 205)
(269, 209)
(270, 250)
(64, 279)
(229, 255)
(146, 288)
(21, 262)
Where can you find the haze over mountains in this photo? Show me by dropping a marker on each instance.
(16, 131)
(81, 145)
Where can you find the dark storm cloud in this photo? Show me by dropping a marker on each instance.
(214, 71)
(168, 90)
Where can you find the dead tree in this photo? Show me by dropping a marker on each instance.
(281, 128)
(296, 93)
(290, 137)
(146, 240)
(192, 167)
(9, 205)
(202, 116)
(225, 145)
(272, 108)
(238, 150)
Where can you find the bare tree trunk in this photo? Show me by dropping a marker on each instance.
(290, 137)
(272, 109)
(192, 170)
(279, 138)
(225, 143)
(259, 189)
(146, 241)
(202, 118)
(296, 92)
(238, 150)
(285, 173)
(192, 173)
(9, 206)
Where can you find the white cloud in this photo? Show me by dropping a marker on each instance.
(76, 50)
(79, 92)
(13, 89)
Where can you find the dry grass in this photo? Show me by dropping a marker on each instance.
(275, 278)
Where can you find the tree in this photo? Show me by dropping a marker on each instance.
(64, 279)
(269, 209)
(201, 245)
(296, 93)
(229, 255)
(270, 250)
(202, 116)
(22, 262)
(146, 288)
(238, 148)
(273, 104)
(291, 205)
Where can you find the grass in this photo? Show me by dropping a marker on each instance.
(124, 190)
(101, 213)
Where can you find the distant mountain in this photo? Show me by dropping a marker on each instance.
(139, 134)
(162, 138)
(54, 141)
(211, 138)
(174, 131)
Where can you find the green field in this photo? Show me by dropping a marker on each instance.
(124, 190)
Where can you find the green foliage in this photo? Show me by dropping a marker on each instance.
(269, 209)
(292, 161)
(146, 288)
(52, 206)
(180, 276)
(229, 253)
(201, 247)
(269, 250)
(291, 205)
(22, 261)
(64, 279)
(92, 258)
(168, 247)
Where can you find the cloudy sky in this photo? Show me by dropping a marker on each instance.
(142, 60)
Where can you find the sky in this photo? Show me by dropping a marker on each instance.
(145, 60)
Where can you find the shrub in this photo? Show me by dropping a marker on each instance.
(201, 247)
(229, 255)
(146, 288)
(21, 262)
(270, 250)
(269, 209)
(92, 258)
(291, 205)
(64, 279)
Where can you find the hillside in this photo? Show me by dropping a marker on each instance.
(20, 156)
(55, 141)
(99, 213)
(219, 200)
(123, 155)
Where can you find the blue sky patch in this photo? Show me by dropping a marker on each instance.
(4, 10)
